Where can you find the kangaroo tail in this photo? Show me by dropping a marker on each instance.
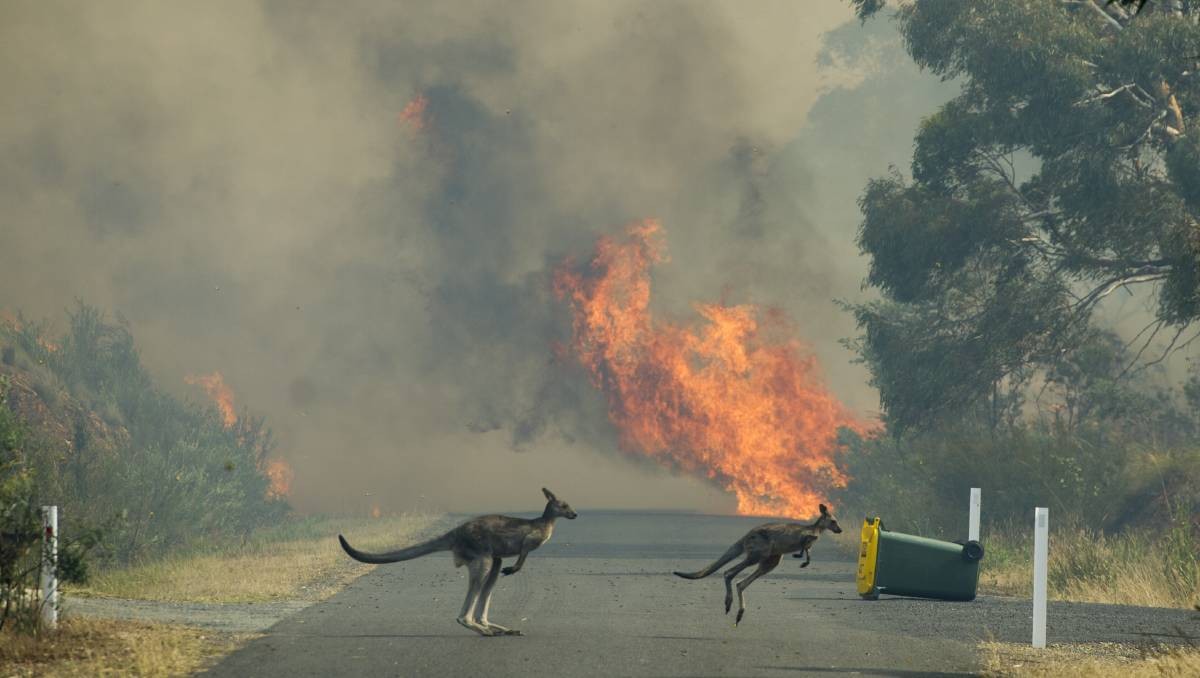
(442, 543)
(733, 552)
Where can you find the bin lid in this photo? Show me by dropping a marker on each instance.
(868, 554)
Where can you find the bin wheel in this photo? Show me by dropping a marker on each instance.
(873, 594)
(972, 551)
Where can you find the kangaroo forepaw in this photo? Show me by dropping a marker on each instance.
(508, 570)
(739, 617)
(803, 565)
(728, 604)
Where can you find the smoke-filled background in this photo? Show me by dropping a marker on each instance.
(355, 214)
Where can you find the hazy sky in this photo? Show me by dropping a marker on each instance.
(237, 179)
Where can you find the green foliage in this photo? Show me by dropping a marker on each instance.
(1183, 162)
(1115, 461)
(11, 434)
(1182, 544)
(1059, 174)
(21, 562)
(1092, 441)
(98, 361)
(20, 532)
(1066, 169)
(153, 471)
(921, 483)
(20, 527)
(865, 9)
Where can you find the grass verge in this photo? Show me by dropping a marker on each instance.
(1089, 660)
(297, 560)
(106, 647)
(1087, 566)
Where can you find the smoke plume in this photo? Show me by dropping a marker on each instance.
(353, 214)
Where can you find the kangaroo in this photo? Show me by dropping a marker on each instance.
(480, 544)
(764, 546)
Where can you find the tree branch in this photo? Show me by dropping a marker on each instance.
(1098, 10)
(1173, 105)
(1169, 349)
(1149, 129)
(1118, 8)
(1110, 94)
(1158, 325)
(1050, 250)
(1092, 298)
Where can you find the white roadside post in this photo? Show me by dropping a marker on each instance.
(1041, 543)
(49, 566)
(973, 525)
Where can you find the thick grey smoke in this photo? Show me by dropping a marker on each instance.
(238, 180)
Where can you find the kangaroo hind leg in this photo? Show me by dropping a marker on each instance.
(476, 573)
(485, 602)
(730, 574)
(763, 568)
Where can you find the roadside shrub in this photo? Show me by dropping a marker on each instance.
(20, 532)
(923, 482)
(1125, 518)
(155, 471)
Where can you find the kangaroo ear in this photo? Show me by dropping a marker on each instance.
(549, 495)
(824, 511)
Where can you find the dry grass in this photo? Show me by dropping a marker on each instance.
(298, 560)
(301, 559)
(1092, 660)
(105, 647)
(1086, 566)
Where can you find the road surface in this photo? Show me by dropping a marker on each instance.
(599, 600)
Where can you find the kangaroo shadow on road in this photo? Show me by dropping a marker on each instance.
(367, 635)
(823, 577)
(870, 672)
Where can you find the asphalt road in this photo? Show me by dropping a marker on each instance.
(599, 600)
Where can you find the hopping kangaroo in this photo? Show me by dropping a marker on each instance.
(480, 544)
(764, 546)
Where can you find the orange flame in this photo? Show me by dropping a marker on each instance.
(222, 395)
(281, 475)
(731, 399)
(414, 113)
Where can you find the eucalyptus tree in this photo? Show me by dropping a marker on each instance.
(1067, 169)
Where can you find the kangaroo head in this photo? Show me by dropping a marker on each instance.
(827, 521)
(558, 508)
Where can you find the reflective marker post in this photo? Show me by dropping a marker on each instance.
(973, 525)
(50, 566)
(1041, 542)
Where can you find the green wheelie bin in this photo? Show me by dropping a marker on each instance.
(905, 565)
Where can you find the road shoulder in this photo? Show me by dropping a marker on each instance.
(192, 610)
